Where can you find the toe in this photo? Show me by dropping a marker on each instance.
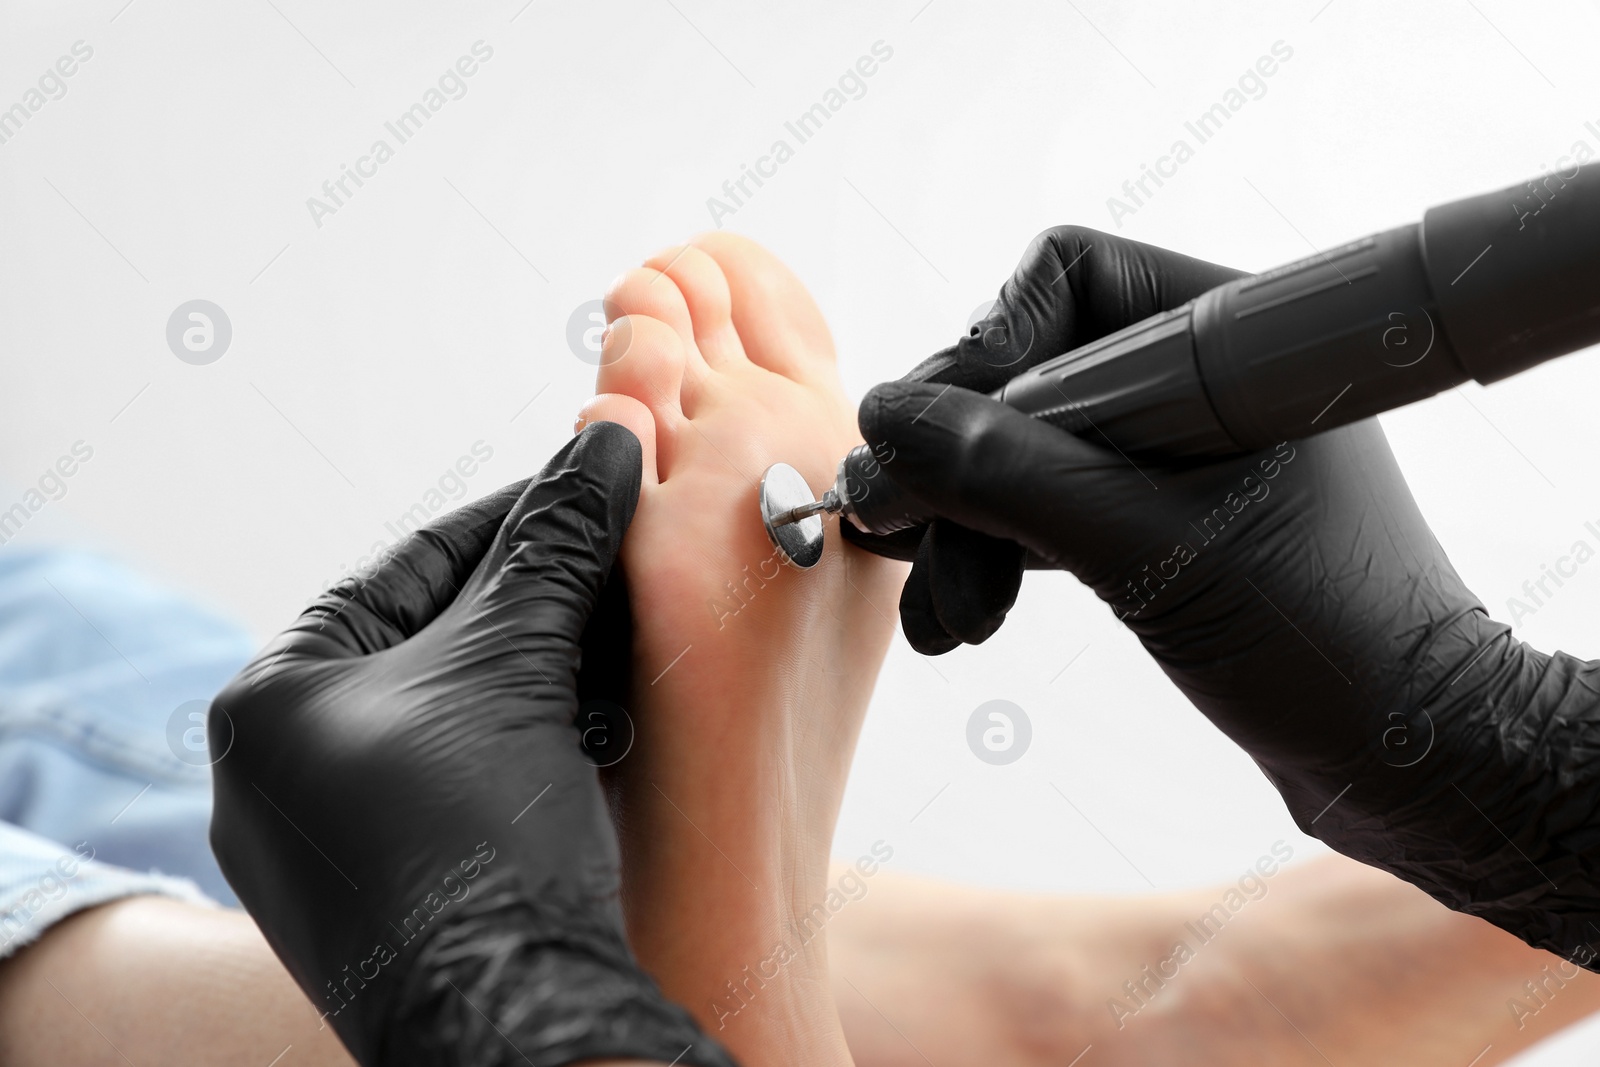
(625, 410)
(705, 291)
(643, 358)
(781, 327)
(647, 291)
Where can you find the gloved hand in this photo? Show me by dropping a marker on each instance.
(1296, 596)
(403, 803)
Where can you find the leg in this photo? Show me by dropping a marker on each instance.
(156, 982)
(752, 676)
(1369, 970)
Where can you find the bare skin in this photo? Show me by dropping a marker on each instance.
(157, 982)
(161, 983)
(1335, 962)
(752, 677)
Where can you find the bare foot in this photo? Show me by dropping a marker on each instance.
(751, 676)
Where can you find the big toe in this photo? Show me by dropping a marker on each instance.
(625, 411)
(643, 358)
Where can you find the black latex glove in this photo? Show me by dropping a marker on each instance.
(404, 805)
(1296, 596)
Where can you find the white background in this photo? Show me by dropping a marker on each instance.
(370, 353)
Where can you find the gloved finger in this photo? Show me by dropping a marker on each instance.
(1073, 285)
(901, 545)
(981, 464)
(973, 578)
(403, 590)
(919, 619)
(538, 586)
(605, 675)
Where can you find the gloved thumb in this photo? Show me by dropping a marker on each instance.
(979, 463)
(541, 581)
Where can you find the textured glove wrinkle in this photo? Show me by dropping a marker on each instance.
(340, 623)
(540, 608)
(559, 544)
(1478, 789)
(363, 613)
(1506, 826)
(587, 496)
(534, 974)
(941, 368)
(416, 580)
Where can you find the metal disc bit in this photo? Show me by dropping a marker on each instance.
(782, 490)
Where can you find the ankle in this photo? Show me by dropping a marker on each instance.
(778, 1008)
(731, 946)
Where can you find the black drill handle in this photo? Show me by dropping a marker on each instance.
(1482, 288)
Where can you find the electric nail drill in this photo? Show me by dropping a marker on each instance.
(1481, 288)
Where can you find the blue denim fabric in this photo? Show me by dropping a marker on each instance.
(98, 751)
(42, 882)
